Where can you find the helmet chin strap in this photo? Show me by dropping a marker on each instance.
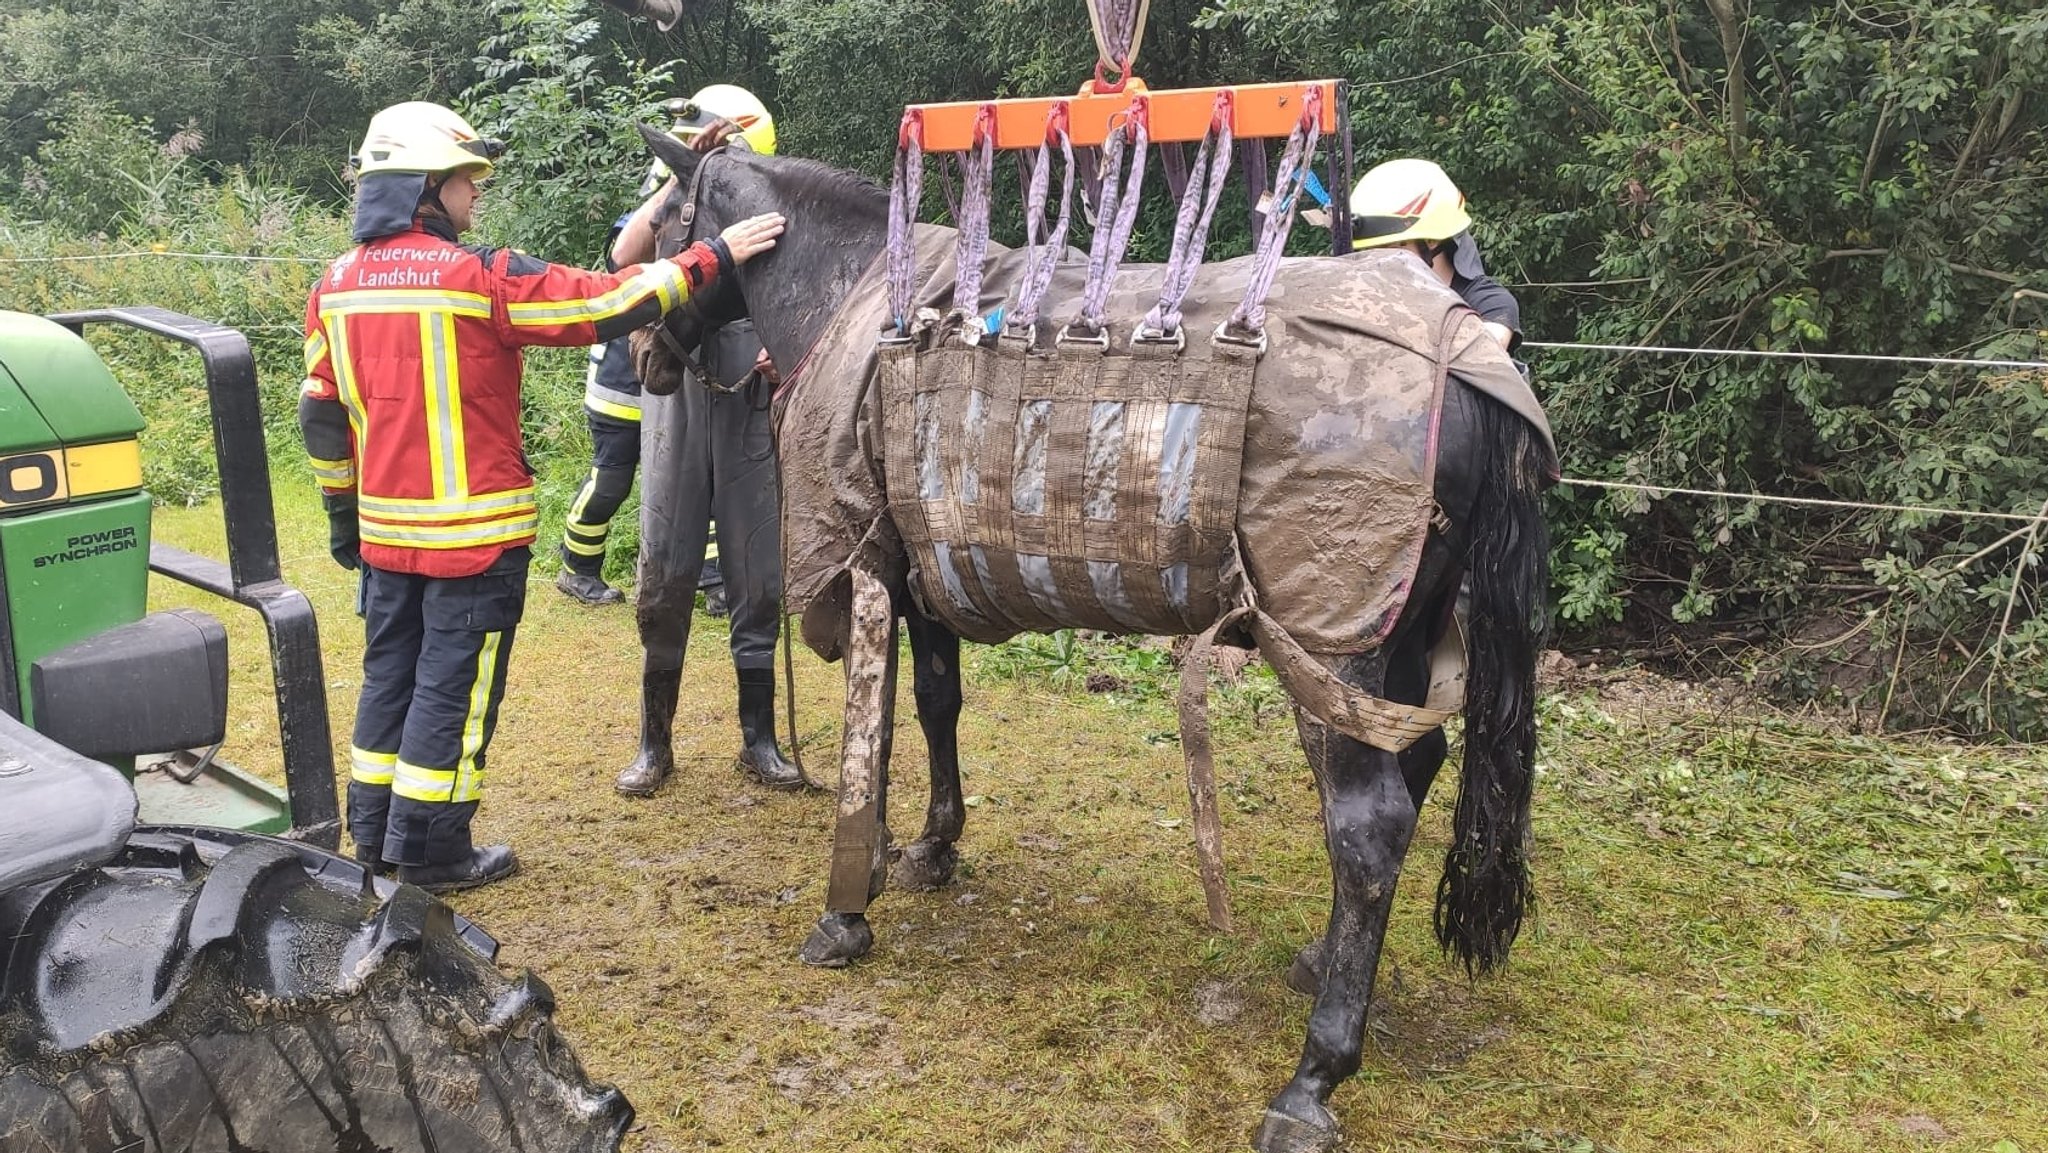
(430, 196)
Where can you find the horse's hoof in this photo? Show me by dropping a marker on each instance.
(925, 865)
(839, 940)
(1305, 975)
(1286, 1132)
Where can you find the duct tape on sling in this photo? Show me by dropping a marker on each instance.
(858, 848)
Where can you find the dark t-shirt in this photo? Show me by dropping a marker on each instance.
(1491, 300)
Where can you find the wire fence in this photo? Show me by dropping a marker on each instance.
(147, 253)
(1655, 491)
(1785, 354)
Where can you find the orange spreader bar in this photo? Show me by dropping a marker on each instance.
(1258, 111)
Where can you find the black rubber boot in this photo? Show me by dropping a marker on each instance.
(370, 859)
(658, 691)
(481, 867)
(588, 589)
(760, 759)
(714, 601)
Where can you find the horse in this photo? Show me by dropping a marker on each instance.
(1485, 532)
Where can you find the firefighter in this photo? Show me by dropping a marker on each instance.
(1412, 204)
(611, 410)
(710, 453)
(410, 412)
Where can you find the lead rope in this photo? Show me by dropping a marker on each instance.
(783, 616)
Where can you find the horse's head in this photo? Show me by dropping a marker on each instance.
(697, 209)
(837, 223)
(674, 230)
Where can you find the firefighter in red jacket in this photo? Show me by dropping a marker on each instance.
(411, 417)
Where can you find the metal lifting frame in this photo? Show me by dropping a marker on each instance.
(1258, 113)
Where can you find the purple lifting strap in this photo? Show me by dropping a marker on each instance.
(1295, 165)
(1191, 225)
(1117, 25)
(1115, 216)
(1041, 259)
(905, 190)
(977, 169)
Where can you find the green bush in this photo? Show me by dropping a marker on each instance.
(1751, 174)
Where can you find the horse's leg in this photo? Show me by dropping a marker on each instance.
(860, 839)
(927, 863)
(1368, 818)
(1408, 682)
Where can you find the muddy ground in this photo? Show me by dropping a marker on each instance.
(1754, 932)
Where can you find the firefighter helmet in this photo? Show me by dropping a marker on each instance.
(713, 103)
(1404, 200)
(420, 137)
(725, 102)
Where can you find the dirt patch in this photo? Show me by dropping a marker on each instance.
(1921, 1127)
(1218, 1003)
(1431, 1026)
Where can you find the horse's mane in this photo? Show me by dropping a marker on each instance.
(815, 178)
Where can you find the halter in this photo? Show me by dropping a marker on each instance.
(686, 216)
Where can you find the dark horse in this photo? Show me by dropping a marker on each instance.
(1491, 469)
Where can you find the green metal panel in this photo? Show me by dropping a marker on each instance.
(21, 426)
(63, 378)
(72, 572)
(223, 796)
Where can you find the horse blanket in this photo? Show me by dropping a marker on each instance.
(1133, 489)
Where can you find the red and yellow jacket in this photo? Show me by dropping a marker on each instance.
(413, 367)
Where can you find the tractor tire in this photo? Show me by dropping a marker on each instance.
(207, 993)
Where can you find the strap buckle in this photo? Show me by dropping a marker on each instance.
(1177, 340)
(1254, 340)
(1073, 335)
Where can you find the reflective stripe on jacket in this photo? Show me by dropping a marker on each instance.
(412, 384)
(609, 387)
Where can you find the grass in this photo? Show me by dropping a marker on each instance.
(1753, 933)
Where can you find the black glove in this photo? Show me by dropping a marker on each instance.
(344, 531)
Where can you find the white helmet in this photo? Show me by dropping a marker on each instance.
(420, 137)
(1404, 200)
(724, 102)
(712, 103)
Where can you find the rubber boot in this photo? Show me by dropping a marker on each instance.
(590, 590)
(372, 860)
(658, 691)
(760, 759)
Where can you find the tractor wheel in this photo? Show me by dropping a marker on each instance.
(230, 994)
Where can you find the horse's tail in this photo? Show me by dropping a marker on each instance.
(1485, 886)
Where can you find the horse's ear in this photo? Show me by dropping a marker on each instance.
(672, 152)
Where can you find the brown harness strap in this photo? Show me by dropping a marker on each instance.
(686, 217)
(1383, 724)
(1201, 768)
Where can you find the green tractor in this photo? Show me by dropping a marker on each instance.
(187, 981)
(80, 661)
